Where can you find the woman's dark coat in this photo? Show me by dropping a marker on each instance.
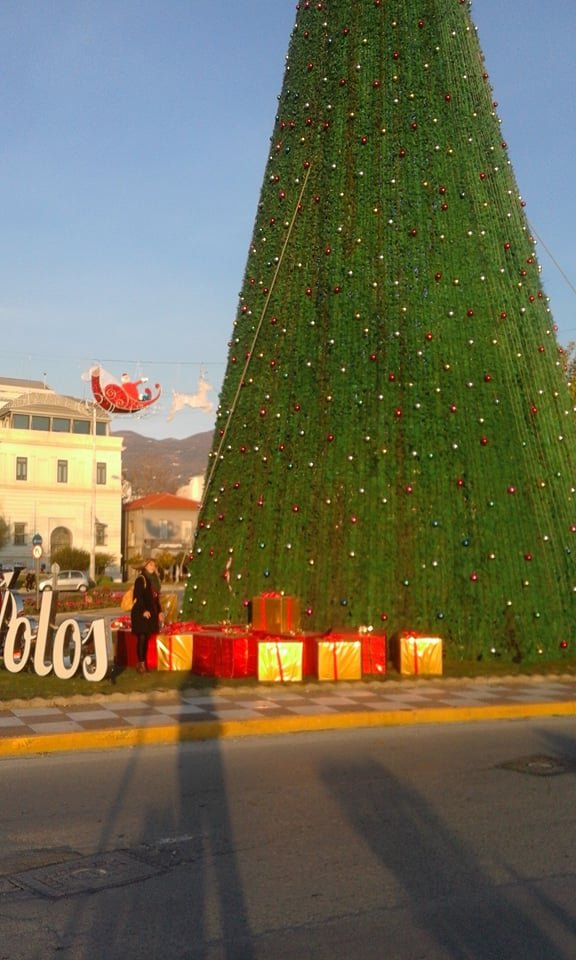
(146, 597)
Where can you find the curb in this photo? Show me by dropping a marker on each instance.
(113, 739)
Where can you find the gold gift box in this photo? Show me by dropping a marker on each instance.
(339, 659)
(420, 655)
(275, 613)
(280, 661)
(169, 603)
(175, 651)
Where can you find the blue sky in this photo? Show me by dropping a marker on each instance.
(134, 140)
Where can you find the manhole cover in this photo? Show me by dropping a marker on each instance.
(88, 875)
(540, 766)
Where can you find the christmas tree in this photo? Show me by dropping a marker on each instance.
(395, 438)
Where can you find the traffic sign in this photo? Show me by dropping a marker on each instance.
(37, 551)
(36, 540)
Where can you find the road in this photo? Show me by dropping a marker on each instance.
(430, 843)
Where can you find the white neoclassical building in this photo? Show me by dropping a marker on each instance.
(60, 474)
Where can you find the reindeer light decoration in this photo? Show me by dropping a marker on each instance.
(198, 400)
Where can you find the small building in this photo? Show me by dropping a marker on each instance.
(159, 523)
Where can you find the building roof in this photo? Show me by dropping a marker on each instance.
(162, 501)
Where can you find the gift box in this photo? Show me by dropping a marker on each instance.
(174, 651)
(228, 655)
(280, 661)
(126, 655)
(339, 659)
(169, 603)
(275, 614)
(419, 654)
(373, 654)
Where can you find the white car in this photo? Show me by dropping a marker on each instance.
(68, 580)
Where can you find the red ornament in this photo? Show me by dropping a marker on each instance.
(474, 577)
(330, 437)
(511, 489)
(528, 557)
(460, 482)
(383, 617)
(487, 378)
(398, 413)
(408, 488)
(484, 441)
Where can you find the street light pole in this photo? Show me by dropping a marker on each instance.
(92, 539)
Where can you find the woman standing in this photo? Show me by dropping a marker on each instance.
(147, 613)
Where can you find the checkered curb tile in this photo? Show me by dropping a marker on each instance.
(267, 703)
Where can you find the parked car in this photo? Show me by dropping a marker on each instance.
(68, 580)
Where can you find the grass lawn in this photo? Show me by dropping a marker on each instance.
(27, 686)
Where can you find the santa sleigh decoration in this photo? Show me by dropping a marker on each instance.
(128, 396)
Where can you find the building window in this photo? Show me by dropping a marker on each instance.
(20, 421)
(62, 473)
(163, 529)
(21, 468)
(81, 426)
(61, 424)
(100, 473)
(40, 423)
(101, 534)
(19, 534)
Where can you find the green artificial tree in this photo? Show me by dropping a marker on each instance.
(395, 441)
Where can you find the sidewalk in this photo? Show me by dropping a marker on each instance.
(113, 721)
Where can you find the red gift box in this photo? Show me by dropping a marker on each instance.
(225, 655)
(126, 655)
(373, 654)
(275, 614)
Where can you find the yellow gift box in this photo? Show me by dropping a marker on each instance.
(420, 655)
(169, 603)
(280, 661)
(339, 659)
(175, 651)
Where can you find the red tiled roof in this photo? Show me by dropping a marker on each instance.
(162, 501)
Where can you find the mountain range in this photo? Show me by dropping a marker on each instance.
(162, 466)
